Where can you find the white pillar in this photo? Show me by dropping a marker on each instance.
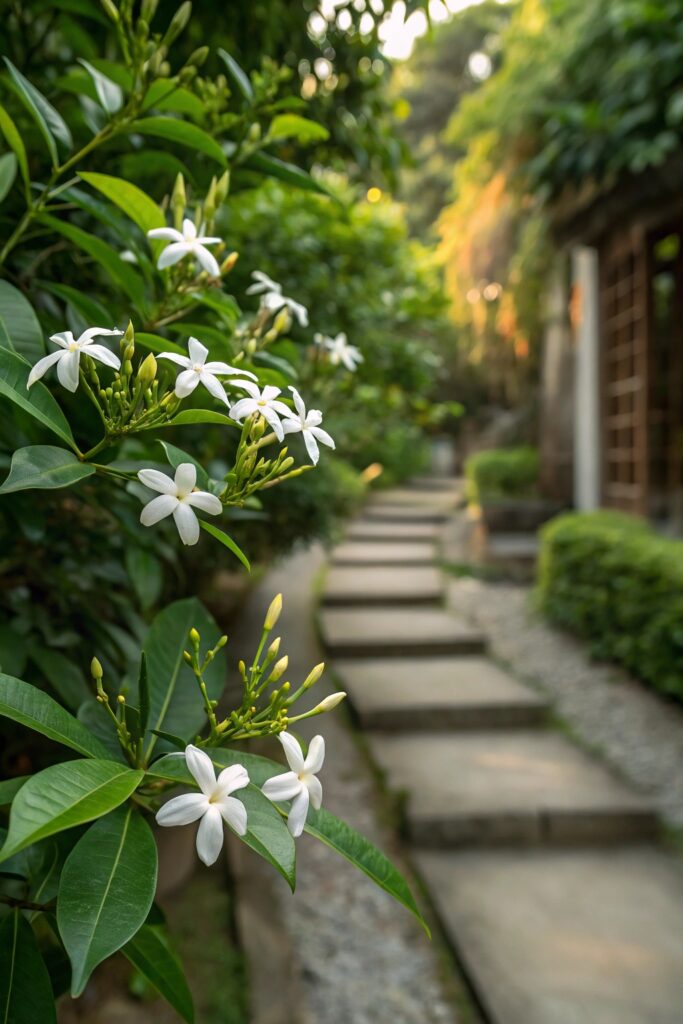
(587, 432)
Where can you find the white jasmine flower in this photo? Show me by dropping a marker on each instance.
(177, 498)
(299, 785)
(273, 299)
(186, 243)
(264, 403)
(308, 423)
(213, 805)
(68, 357)
(198, 371)
(339, 351)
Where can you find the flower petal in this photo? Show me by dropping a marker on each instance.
(297, 815)
(234, 813)
(299, 311)
(251, 388)
(157, 481)
(207, 261)
(168, 234)
(311, 446)
(189, 230)
(67, 369)
(210, 836)
(235, 776)
(201, 769)
(174, 357)
(182, 810)
(98, 332)
(316, 755)
(158, 508)
(43, 365)
(214, 386)
(172, 254)
(293, 751)
(63, 338)
(198, 352)
(186, 382)
(323, 436)
(205, 501)
(270, 392)
(292, 426)
(282, 787)
(243, 408)
(103, 355)
(271, 418)
(185, 478)
(315, 791)
(298, 402)
(226, 369)
(187, 523)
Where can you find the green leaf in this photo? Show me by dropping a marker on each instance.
(44, 467)
(190, 416)
(108, 93)
(20, 330)
(10, 787)
(264, 163)
(175, 703)
(237, 75)
(25, 989)
(107, 888)
(50, 123)
(143, 694)
(292, 126)
(63, 676)
(123, 274)
(8, 172)
(227, 541)
(156, 343)
(92, 311)
(175, 741)
(162, 95)
(146, 575)
(129, 198)
(29, 706)
(176, 456)
(38, 402)
(150, 953)
(182, 132)
(66, 795)
(15, 142)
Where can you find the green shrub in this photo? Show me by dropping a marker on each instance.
(611, 579)
(502, 473)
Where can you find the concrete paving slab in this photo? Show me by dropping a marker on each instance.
(396, 632)
(565, 937)
(359, 585)
(527, 787)
(390, 532)
(466, 692)
(373, 553)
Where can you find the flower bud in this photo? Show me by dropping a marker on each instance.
(279, 669)
(178, 23)
(251, 346)
(283, 321)
(178, 197)
(147, 370)
(142, 29)
(222, 187)
(313, 676)
(273, 650)
(286, 464)
(198, 56)
(96, 670)
(148, 9)
(127, 340)
(110, 10)
(229, 262)
(329, 703)
(273, 613)
(254, 133)
(210, 201)
(121, 699)
(194, 636)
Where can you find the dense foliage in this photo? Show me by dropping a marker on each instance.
(611, 579)
(501, 473)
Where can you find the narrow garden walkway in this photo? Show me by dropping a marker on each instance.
(543, 866)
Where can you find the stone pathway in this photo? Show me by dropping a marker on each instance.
(542, 865)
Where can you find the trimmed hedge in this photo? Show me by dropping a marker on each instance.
(611, 579)
(501, 473)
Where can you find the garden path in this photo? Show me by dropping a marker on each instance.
(542, 865)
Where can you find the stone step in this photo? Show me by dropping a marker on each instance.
(373, 553)
(525, 787)
(437, 483)
(396, 632)
(565, 937)
(512, 547)
(466, 692)
(358, 585)
(389, 532)
(404, 514)
(433, 501)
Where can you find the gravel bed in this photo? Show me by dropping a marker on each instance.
(638, 732)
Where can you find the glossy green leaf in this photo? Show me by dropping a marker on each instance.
(15, 142)
(9, 789)
(156, 343)
(176, 456)
(146, 574)
(182, 132)
(44, 467)
(65, 678)
(227, 542)
(264, 163)
(292, 126)
(143, 694)
(174, 698)
(106, 890)
(29, 706)
(127, 277)
(129, 198)
(237, 76)
(108, 93)
(37, 401)
(20, 330)
(51, 124)
(190, 416)
(90, 308)
(163, 95)
(25, 990)
(92, 715)
(149, 951)
(65, 795)
(8, 172)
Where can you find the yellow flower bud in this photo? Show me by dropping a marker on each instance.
(279, 669)
(96, 670)
(147, 370)
(229, 262)
(329, 703)
(314, 675)
(273, 612)
(283, 321)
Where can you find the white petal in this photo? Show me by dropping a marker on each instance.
(280, 408)
(205, 501)
(189, 230)
(315, 791)
(311, 447)
(187, 523)
(243, 408)
(172, 254)
(174, 357)
(207, 261)
(157, 481)
(98, 332)
(63, 338)
(201, 769)
(185, 383)
(226, 370)
(316, 755)
(208, 240)
(323, 436)
(67, 369)
(185, 478)
(297, 815)
(248, 386)
(299, 311)
(42, 365)
(182, 810)
(298, 402)
(198, 352)
(210, 836)
(214, 386)
(158, 508)
(292, 426)
(269, 392)
(103, 354)
(234, 813)
(168, 234)
(282, 787)
(293, 752)
(271, 418)
(235, 776)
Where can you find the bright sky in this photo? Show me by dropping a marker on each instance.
(398, 33)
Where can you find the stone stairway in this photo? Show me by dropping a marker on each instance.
(540, 863)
